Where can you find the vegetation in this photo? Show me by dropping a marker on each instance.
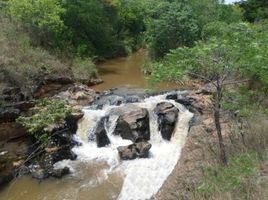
(225, 45)
(24, 65)
(224, 179)
(254, 10)
(46, 113)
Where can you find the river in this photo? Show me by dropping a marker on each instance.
(98, 173)
(126, 71)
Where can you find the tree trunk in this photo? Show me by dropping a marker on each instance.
(223, 156)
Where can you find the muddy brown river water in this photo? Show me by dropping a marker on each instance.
(126, 71)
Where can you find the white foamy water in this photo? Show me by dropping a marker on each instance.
(142, 177)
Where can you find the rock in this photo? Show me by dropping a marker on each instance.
(11, 130)
(92, 82)
(133, 123)
(12, 94)
(58, 173)
(5, 177)
(136, 150)
(38, 173)
(101, 134)
(77, 95)
(52, 85)
(9, 114)
(132, 99)
(172, 96)
(167, 115)
(108, 100)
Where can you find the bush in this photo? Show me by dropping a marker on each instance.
(83, 69)
(46, 112)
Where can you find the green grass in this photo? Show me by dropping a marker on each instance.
(229, 178)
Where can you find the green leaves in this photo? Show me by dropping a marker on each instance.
(239, 49)
(46, 112)
(174, 26)
(44, 15)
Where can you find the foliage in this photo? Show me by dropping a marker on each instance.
(230, 13)
(41, 17)
(255, 10)
(174, 26)
(242, 101)
(83, 69)
(46, 112)
(238, 49)
(229, 178)
(21, 63)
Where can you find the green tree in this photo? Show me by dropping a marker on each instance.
(239, 51)
(41, 18)
(255, 10)
(173, 26)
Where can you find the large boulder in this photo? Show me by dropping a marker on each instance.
(132, 123)
(101, 134)
(167, 115)
(136, 150)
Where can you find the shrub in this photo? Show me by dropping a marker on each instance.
(45, 113)
(83, 69)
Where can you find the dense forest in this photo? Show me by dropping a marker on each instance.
(210, 41)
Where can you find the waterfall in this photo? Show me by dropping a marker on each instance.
(142, 178)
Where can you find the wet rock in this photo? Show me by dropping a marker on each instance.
(133, 123)
(186, 101)
(133, 151)
(167, 115)
(108, 100)
(132, 99)
(101, 134)
(172, 96)
(59, 173)
(38, 173)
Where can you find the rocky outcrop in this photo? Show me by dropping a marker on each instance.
(133, 123)
(101, 134)
(133, 151)
(77, 96)
(167, 115)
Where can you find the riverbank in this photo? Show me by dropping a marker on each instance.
(199, 174)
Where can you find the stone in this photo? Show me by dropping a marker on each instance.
(101, 134)
(133, 151)
(133, 123)
(9, 114)
(167, 115)
(172, 96)
(59, 173)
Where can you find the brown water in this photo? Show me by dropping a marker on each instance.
(83, 184)
(126, 71)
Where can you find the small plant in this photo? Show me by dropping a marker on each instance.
(45, 113)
